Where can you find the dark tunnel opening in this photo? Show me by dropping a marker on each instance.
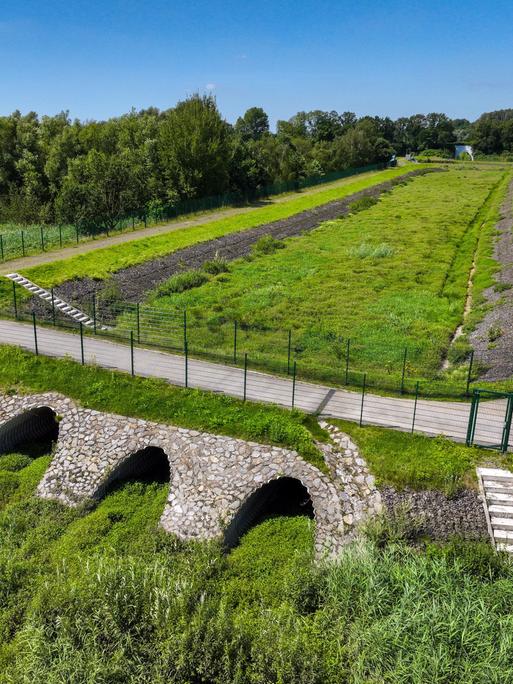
(285, 496)
(148, 465)
(32, 432)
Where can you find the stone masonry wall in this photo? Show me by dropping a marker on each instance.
(211, 475)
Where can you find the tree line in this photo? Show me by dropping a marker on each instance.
(92, 173)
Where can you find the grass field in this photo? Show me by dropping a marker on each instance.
(102, 262)
(102, 595)
(390, 277)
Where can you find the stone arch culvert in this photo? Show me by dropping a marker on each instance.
(219, 486)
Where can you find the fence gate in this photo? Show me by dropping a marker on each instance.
(490, 417)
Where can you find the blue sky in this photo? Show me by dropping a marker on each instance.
(100, 58)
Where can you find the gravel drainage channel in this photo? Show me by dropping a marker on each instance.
(135, 281)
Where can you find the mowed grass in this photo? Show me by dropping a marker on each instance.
(103, 595)
(102, 262)
(390, 277)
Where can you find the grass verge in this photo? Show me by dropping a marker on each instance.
(400, 459)
(156, 400)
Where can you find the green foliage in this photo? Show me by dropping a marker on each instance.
(103, 595)
(157, 400)
(363, 203)
(216, 265)
(267, 244)
(14, 462)
(181, 282)
(494, 332)
(403, 460)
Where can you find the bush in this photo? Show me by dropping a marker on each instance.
(267, 244)
(14, 462)
(494, 332)
(365, 202)
(181, 282)
(217, 265)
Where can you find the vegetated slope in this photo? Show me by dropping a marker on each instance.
(390, 276)
(133, 282)
(103, 595)
(101, 263)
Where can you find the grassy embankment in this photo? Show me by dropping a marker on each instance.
(102, 595)
(390, 277)
(102, 262)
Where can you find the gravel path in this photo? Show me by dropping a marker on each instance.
(135, 281)
(497, 355)
(437, 515)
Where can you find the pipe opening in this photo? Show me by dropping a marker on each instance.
(31, 432)
(285, 496)
(149, 465)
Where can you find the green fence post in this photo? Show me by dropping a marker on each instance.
(469, 375)
(474, 408)
(132, 352)
(348, 346)
(53, 307)
(133, 223)
(363, 397)
(76, 228)
(186, 358)
(15, 303)
(138, 323)
(245, 374)
(288, 352)
(235, 342)
(36, 349)
(22, 243)
(404, 369)
(184, 329)
(42, 239)
(94, 313)
(294, 370)
(60, 235)
(415, 407)
(82, 344)
(2, 246)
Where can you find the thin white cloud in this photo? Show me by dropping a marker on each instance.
(210, 86)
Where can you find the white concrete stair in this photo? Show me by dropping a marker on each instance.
(496, 485)
(60, 305)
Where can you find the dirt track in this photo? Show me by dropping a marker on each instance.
(135, 281)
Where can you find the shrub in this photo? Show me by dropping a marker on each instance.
(365, 202)
(14, 462)
(494, 332)
(217, 265)
(181, 282)
(267, 244)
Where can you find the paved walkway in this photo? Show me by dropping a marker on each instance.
(431, 417)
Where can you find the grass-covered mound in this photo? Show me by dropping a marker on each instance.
(103, 596)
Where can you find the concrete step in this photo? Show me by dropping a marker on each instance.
(499, 498)
(502, 523)
(500, 511)
(496, 486)
(496, 474)
(508, 548)
(503, 536)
